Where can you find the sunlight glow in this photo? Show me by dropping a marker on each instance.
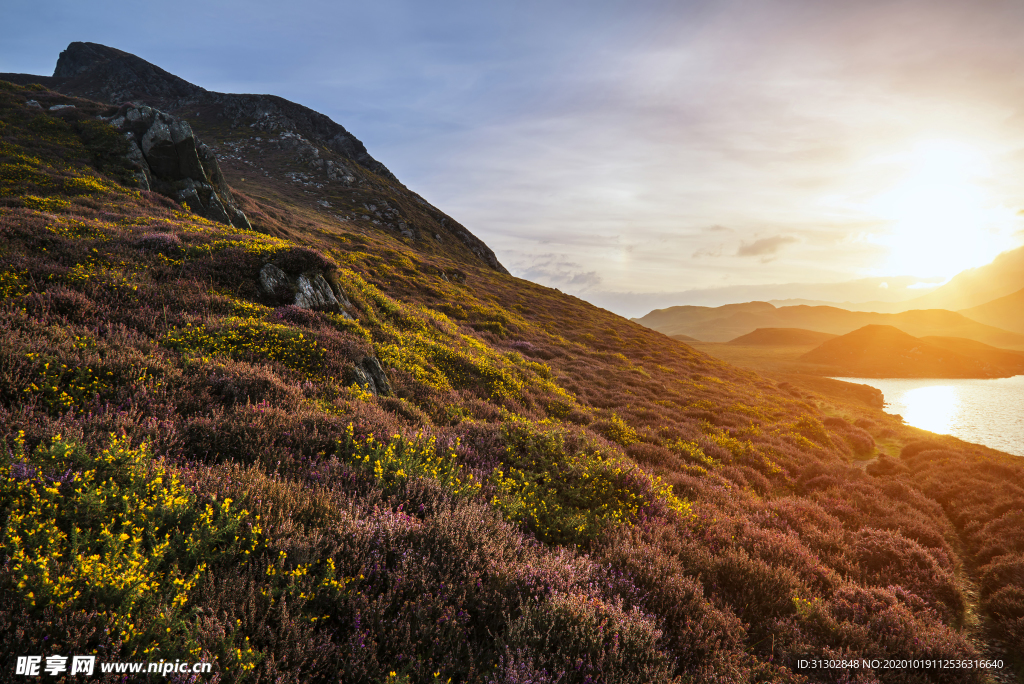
(931, 408)
(943, 219)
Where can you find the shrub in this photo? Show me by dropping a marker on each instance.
(888, 558)
(250, 339)
(617, 430)
(299, 260)
(914, 448)
(116, 531)
(567, 490)
(582, 639)
(394, 462)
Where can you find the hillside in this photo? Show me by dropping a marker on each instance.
(724, 323)
(317, 451)
(1006, 312)
(782, 337)
(977, 350)
(977, 286)
(882, 351)
(273, 151)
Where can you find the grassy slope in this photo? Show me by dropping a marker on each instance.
(554, 493)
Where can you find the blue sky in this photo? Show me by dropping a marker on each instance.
(641, 153)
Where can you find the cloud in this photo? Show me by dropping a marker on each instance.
(558, 272)
(708, 252)
(764, 246)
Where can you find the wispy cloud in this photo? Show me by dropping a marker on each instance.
(553, 271)
(715, 251)
(764, 246)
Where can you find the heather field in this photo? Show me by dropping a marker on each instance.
(190, 468)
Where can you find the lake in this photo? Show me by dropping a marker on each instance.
(983, 411)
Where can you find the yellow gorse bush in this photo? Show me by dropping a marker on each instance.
(619, 431)
(61, 388)
(114, 528)
(68, 227)
(250, 338)
(244, 308)
(11, 284)
(89, 185)
(45, 203)
(399, 459)
(692, 451)
(568, 494)
(263, 246)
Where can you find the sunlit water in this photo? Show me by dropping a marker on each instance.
(989, 412)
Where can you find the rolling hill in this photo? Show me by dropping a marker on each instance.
(329, 448)
(882, 351)
(780, 337)
(724, 323)
(1006, 312)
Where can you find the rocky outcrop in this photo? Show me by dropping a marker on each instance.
(370, 374)
(307, 290)
(170, 160)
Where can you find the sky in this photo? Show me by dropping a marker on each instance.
(646, 153)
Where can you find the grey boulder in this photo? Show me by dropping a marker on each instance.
(169, 159)
(370, 374)
(309, 290)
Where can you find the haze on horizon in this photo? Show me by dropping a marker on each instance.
(643, 154)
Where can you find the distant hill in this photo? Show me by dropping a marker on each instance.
(883, 351)
(791, 337)
(684, 338)
(1006, 312)
(977, 286)
(978, 350)
(724, 323)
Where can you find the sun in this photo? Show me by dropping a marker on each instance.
(942, 219)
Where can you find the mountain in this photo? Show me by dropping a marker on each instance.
(882, 351)
(1006, 312)
(976, 286)
(724, 323)
(319, 450)
(782, 337)
(268, 146)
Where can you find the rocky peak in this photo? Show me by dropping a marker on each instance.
(257, 137)
(109, 75)
(79, 57)
(104, 73)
